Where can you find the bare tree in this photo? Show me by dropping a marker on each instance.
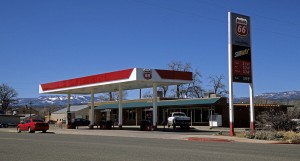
(164, 89)
(274, 119)
(179, 66)
(8, 95)
(217, 84)
(260, 100)
(112, 96)
(148, 94)
(195, 89)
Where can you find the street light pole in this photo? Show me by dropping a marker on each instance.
(30, 103)
(25, 111)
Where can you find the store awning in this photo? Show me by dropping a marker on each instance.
(162, 103)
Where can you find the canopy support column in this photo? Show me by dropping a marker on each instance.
(92, 111)
(68, 121)
(154, 106)
(252, 111)
(120, 107)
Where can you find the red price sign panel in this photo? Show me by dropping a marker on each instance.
(241, 64)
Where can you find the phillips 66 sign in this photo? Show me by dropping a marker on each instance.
(240, 48)
(241, 26)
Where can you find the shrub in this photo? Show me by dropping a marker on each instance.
(274, 119)
(265, 135)
(292, 137)
(245, 134)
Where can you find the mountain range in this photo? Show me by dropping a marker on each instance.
(61, 100)
(54, 100)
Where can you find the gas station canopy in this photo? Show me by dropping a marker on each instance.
(133, 78)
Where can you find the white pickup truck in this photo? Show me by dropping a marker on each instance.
(179, 119)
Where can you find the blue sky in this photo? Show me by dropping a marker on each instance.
(45, 41)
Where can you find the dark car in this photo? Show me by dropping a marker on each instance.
(80, 122)
(3, 125)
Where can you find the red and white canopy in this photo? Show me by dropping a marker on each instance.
(133, 78)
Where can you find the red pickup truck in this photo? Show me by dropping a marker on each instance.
(32, 125)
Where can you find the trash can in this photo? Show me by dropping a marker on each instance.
(145, 125)
(105, 124)
(108, 124)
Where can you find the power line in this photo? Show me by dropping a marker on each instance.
(214, 19)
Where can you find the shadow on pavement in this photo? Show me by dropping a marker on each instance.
(159, 129)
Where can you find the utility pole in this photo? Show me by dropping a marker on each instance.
(30, 103)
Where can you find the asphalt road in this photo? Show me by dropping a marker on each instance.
(58, 147)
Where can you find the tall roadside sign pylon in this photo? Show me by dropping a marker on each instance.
(239, 61)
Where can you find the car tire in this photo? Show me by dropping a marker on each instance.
(44, 131)
(6, 125)
(18, 130)
(174, 125)
(29, 130)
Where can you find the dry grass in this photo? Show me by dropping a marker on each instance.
(289, 136)
(292, 137)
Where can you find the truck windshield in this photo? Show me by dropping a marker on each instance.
(178, 114)
(36, 120)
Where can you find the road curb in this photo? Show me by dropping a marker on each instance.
(209, 139)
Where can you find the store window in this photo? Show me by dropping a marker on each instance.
(130, 114)
(205, 115)
(197, 115)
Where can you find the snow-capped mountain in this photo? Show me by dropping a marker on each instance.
(291, 95)
(273, 96)
(55, 100)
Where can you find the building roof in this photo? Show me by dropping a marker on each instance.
(73, 108)
(261, 105)
(134, 78)
(161, 103)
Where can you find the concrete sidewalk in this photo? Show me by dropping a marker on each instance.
(196, 133)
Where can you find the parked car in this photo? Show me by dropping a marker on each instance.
(179, 119)
(3, 125)
(80, 122)
(32, 125)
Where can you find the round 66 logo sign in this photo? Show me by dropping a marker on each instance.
(147, 74)
(241, 27)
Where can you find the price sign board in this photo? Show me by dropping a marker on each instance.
(240, 53)
(241, 64)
